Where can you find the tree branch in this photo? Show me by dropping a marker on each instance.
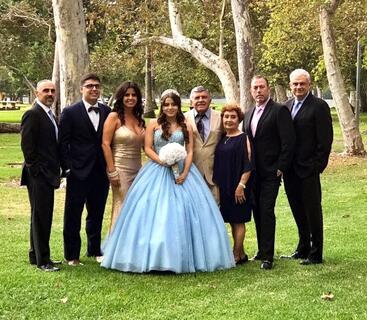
(221, 29)
(333, 5)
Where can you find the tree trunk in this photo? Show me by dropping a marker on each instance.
(280, 93)
(244, 44)
(148, 105)
(353, 144)
(210, 60)
(56, 81)
(9, 127)
(72, 47)
(318, 92)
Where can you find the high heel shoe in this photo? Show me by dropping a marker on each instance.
(242, 260)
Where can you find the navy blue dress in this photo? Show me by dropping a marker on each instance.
(231, 160)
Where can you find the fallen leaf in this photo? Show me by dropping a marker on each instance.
(327, 296)
(64, 300)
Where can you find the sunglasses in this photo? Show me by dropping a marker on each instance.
(92, 86)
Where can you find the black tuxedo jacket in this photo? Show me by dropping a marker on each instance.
(39, 146)
(274, 140)
(80, 143)
(314, 135)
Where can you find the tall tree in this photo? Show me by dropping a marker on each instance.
(245, 48)
(72, 47)
(352, 138)
(212, 61)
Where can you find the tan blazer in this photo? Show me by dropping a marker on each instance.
(203, 152)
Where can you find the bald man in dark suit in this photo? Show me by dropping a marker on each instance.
(41, 172)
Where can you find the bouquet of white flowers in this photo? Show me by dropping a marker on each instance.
(171, 154)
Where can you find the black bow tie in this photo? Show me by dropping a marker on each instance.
(92, 108)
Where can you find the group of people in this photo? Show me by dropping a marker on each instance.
(171, 217)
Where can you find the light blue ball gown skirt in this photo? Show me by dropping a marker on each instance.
(163, 226)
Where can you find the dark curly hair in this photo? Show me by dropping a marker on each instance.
(180, 118)
(119, 107)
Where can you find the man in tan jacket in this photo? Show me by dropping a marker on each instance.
(207, 129)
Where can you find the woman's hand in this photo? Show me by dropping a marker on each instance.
(239, 194)
(114, 178)
(181, 178)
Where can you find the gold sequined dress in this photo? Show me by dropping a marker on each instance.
(126, 151)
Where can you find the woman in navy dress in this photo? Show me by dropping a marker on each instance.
(232, 170)
(168, 223)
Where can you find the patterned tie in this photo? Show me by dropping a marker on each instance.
(295, 109)
(200, 126)
(52, 118)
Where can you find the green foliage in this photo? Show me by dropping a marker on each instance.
(27, 40)
(292, 39)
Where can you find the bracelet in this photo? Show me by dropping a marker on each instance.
(242, 185)
(112, 174)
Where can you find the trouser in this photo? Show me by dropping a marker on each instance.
(304, 197)
(41, 198)
(265, 195)
(91, 192)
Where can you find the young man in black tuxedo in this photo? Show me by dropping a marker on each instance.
(84, 166)
(269, 128)
(41, 172)
(314, 135)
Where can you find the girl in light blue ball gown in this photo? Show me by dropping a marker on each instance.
(168, 224)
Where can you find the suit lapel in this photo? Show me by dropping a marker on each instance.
(212, 122)
(102, 117)
(85, 117)
(45, 118)
(304, 106)
(192, 121)
(263, 117)
(248, 120)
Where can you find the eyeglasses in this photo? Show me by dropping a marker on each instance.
(92, 86)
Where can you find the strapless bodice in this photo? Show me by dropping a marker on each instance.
(127, 144)
(159, 142)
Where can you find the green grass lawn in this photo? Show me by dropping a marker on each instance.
(289, 291)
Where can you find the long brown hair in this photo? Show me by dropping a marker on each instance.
(119, 105)
(180, 118)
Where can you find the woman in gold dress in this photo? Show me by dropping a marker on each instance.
(123, 138)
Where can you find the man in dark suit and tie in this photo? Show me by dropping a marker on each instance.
(270, 130)
(41, 171)
(84, 166)
(314, 135)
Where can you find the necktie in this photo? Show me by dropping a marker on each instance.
(93, 108)
(52, 118)
(200, 126)
(295, 109)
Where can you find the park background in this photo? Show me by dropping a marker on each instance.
(285, 35)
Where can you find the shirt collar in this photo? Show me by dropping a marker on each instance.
(207, 113)
(296, 101)
(87, 104)
(262, 106)
(44, 107)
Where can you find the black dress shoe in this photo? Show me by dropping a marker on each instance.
(294, 255)
(48, 268)
(266, 265)
(256, 257)
(243, 260)
(308, 262)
